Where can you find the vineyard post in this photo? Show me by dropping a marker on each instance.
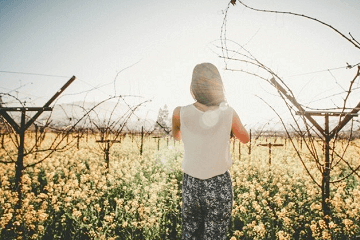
(250, 142)
(234, 141)
(157, 139)
(107, 149)
(78, 140)
(107, 157)
(270, 145)
(1, 132)
(239, 150)
(36, 139)
(142, 140)
(325, 184)
(20, 160)
(269, 153)
(78, 136)
(2, 141)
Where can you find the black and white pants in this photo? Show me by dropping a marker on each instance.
(206, 207)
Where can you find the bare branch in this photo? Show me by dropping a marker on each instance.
(6, 162)
(292, 142)
(351, 40)
(117, 74)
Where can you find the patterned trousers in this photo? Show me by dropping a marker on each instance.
(206, 207)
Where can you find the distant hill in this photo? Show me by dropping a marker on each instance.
(67, 114)
(70, 113)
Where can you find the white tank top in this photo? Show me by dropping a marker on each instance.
(206, 138)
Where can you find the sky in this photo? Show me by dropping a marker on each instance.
(146, 50)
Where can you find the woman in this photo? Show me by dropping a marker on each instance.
(205, 128)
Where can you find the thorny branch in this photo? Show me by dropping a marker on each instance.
(351, 39)
(243, 56)
(293, 144)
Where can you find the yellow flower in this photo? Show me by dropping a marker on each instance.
(76, 213)
(41, 228)
(34, 236)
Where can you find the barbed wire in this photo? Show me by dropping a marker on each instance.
(35, 74)
(314, 72)
(93, 88)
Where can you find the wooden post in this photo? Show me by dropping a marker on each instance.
(107, 153)
(326, 173)
(239, 150)
(20, 161)
(36, 140)
(270, 145)
(142, 140)
(2, 141)
(250, 143)
(107, 149)
(78, 139)
(234, 140)
(269, 153)
(157, 139)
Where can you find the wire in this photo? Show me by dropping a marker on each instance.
(36, 74)
(325, 70)
(93, 88)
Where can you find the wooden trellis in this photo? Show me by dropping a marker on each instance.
(107, 149)
(326, 133)
(21, 129)
(270, 145)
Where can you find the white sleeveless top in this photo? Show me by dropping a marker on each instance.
(206, 138)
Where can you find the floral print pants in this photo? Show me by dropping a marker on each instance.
(206, 207)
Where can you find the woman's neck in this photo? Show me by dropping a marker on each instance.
(203, 107)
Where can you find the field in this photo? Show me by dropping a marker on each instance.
(73, 195)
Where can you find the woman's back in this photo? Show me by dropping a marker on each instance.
(206, 138)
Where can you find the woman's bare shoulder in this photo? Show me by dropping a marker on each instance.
(177, 110)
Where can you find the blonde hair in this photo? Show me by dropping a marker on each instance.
(206, 85)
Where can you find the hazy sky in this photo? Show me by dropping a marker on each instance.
(157, 43)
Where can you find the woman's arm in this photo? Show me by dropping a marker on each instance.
(176, 124)
(238, 129)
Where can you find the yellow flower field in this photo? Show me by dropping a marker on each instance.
(72, 195)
